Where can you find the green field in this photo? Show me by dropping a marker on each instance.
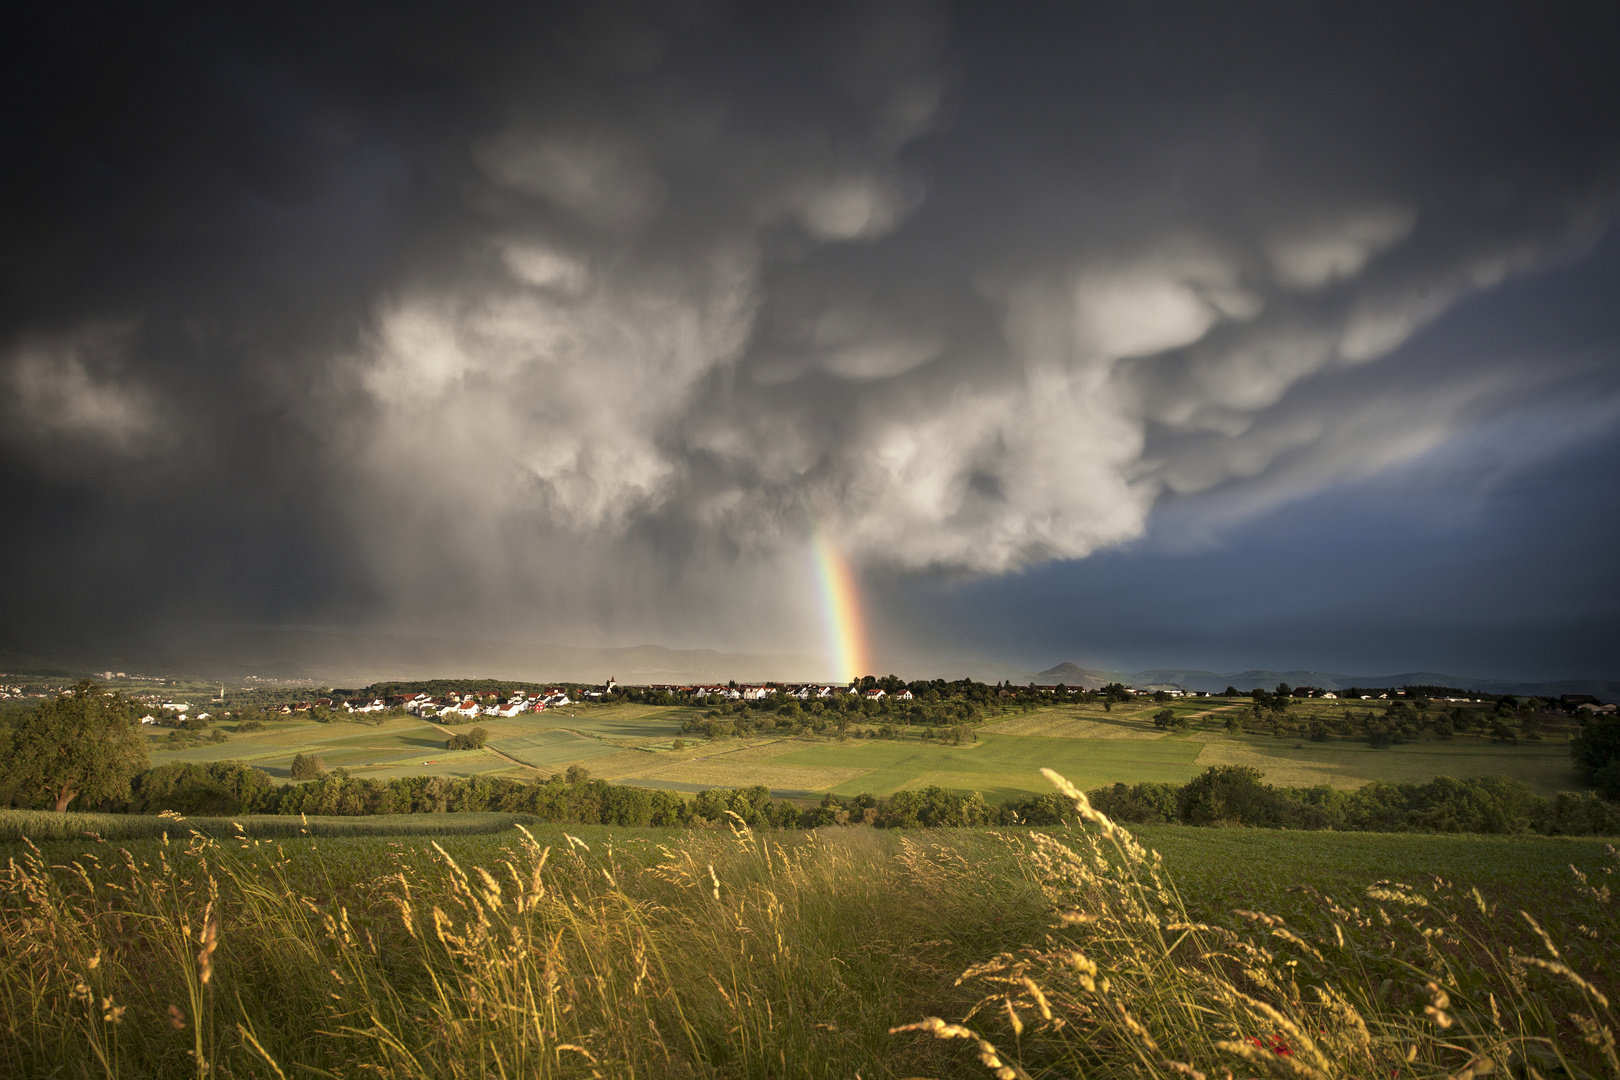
(632, 744)
(524, 745)
(1000, 766)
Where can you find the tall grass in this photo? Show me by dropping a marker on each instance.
(729, 953)
(1418, 981)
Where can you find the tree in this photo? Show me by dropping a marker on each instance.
(307, 767)
(1596, 750)
(469, 740)
(1167, 719)
(85, 742)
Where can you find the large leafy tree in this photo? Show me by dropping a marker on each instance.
(1596, 750)
(83, 743)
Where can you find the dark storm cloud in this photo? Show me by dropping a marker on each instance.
(578, 316)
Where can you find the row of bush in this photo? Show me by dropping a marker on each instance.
(1223, 795)
(1238, 795)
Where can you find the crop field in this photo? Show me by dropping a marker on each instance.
(1544, 766)
(1000, 766)
(544, 749)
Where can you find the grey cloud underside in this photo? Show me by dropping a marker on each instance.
(598, 310)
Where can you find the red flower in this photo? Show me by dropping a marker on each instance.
(1275, 1044)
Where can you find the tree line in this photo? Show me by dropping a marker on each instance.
(1238, 795)
(1228, 795)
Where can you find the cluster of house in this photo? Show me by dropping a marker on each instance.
(176, 708)
(470, 706)
(9, 692)
(464, 705)
(805, 692)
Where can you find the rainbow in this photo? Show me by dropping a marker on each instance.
(840, 609)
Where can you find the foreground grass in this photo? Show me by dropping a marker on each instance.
(724, 953)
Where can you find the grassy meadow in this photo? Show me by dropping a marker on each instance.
(634, 744)
(346, 947)
(389, 747)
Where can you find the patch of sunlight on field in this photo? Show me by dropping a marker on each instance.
(543, 749)
(622, 762)
(1341, 763)
(1000, 766)
(721, 773)
(626, 722)
(398, 747)
(1062, 724)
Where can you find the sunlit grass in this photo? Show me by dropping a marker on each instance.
(489, 951)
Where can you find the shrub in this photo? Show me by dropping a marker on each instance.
(468, 740)
(1139, 804)
(201, 788)
(250, 725)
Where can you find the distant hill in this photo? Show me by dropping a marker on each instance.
(336, 659)
(360, 659)
(1214, 682)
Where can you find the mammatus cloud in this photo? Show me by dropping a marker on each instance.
(680, 347)
(589, 319)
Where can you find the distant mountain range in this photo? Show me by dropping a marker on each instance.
(335, 659)
(360, 659)
(1215, 682)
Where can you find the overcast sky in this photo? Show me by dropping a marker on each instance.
(1132, 333)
